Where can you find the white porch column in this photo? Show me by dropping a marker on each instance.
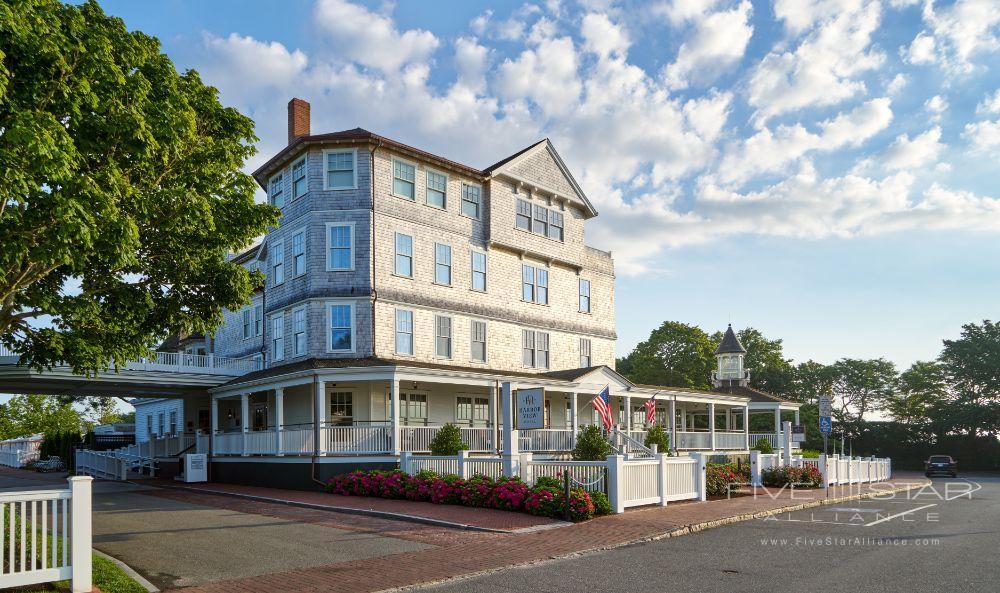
(671, 409)
(279, 420)
(777, 421)
(574, 410)
(711, 426)
(796, 417)
(394, 414)
(628, 415)
(746, 427)
(786, 443)
(511, 454)
(244, 415)
(215, 422)
(319, 416)
(492, 395)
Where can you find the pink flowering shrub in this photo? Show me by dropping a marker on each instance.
(418, 487)
(447, 490)
(544, 501)
(509, 494)
(476, 490)
(581, 506)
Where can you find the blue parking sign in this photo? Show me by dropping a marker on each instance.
(825, 426)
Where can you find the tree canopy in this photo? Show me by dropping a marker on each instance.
(676, 355)
(25, 415)
(121, 191)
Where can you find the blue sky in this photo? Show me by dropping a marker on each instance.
(823, 170)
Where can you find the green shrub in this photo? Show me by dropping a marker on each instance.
(602, 506)
(659, 437)
(591, 445)
(60, 444)
(720, 476)
(448, 441)
(764, 446)
(548, 482)
(809, 454)
(799, 477)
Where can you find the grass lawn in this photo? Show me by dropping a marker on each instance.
(107, 577)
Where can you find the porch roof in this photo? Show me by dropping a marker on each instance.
(757, 396)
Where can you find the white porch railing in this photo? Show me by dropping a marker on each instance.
(228, 443)
(418, 439)
(174, 362)
(693, 440)
(546, 439)
(48, 536)
(297, 441)
(357, 439)
(730, 440)
(770, 437)
(101, 464)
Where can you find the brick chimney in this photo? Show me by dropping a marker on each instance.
(298, 119)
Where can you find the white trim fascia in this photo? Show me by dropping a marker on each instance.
(327, 227)
(326, 176)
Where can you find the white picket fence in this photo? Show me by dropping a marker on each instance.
(463, 464)
(46, 536)
(836, 470)
(20, 452)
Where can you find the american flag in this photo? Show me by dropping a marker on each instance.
(602, 403)
(650, 406)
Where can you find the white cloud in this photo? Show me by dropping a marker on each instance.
(371, 39)
(896, 84)
(603, 37)
(991, 104)
(546, 75)
(231, 57)
(681, 11)
(983, 135)
(471, 63)
(718, 41)
(963, 30)
(921, 49)
(802, 15)
(936, 106)
(904, 153)
(822, 70)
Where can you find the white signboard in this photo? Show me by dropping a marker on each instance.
(196, 467)
(825, 406)
(798, 433)
(530, 405)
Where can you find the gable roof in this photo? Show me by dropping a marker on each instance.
(730, 343)
(505, 166)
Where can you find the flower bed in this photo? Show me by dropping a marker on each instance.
(546, 498)
(807, 476)
(722, 479)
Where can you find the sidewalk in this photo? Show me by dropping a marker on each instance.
(503, 551)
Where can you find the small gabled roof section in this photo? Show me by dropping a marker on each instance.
(601, 374)
(730, 343)
(522, 165)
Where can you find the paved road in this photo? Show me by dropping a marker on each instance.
(921, 542)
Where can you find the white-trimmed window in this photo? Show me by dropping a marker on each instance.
(341, 334)
(442, 264)
(584, 295)
(535, 285)
(472, 411)
(540, 225)
(535, 347)
(339, 246)
(299, 253)
(404, 331)
(404, 177)
(160, 424)
(472, 200)
(258, 319)
(340, 169)
(404, 255)
(522, 219)
(442, 336)
(341, 408)
(173, 421)
(477, 332)
(556, 225)
(299, 331)
(478, 271)
(247, 323)
(413, 408)
(278, 337)
(585, 353)
(299, 182)
(149, 426)
(278, 262)
(437, 189)
(276, 190)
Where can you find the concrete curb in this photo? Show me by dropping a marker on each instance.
(366, 512)
(129, 571)
(678, 532)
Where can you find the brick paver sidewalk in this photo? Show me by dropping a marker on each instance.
(503, 551)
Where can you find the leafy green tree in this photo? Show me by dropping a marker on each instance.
(448, 441)
(676, 355)
(972, 367)
(25, 415)
(861, 386)
(656, 435)
(591, 445)
(121, 191)
(812, 379)
(764, 446)
(922, 390)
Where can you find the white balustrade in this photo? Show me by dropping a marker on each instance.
(357, 439)
(547, 439)
(693, 440)
(729, 440)
(297, 441)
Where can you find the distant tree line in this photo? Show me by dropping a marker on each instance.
(951, 403)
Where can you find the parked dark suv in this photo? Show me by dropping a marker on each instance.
(940, 464)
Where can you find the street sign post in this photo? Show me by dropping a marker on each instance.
(825, 427)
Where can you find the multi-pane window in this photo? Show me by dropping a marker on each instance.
(413, 408)
(341, 328)
(584, 296)
(479, 271)
(173, 421)
(535, 347)
(471, 200)
(149, 426)
(299, 253)
(247, 323)
(299, 185)
(404, 331)
(541, 222)
(404, 255)
(340, 169)
(523, 217)
(341, 408)
(442, 264)
(278, 337)
(477, 331)
(276, 190)
(472, 411)
(258, 319)
(340, 246)
(556, 225)
(160, 424)
(442, 336)
(535, 285)
(403, 176)
(585, 353)
(278, 262)
(437, 189)
(299, 331)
